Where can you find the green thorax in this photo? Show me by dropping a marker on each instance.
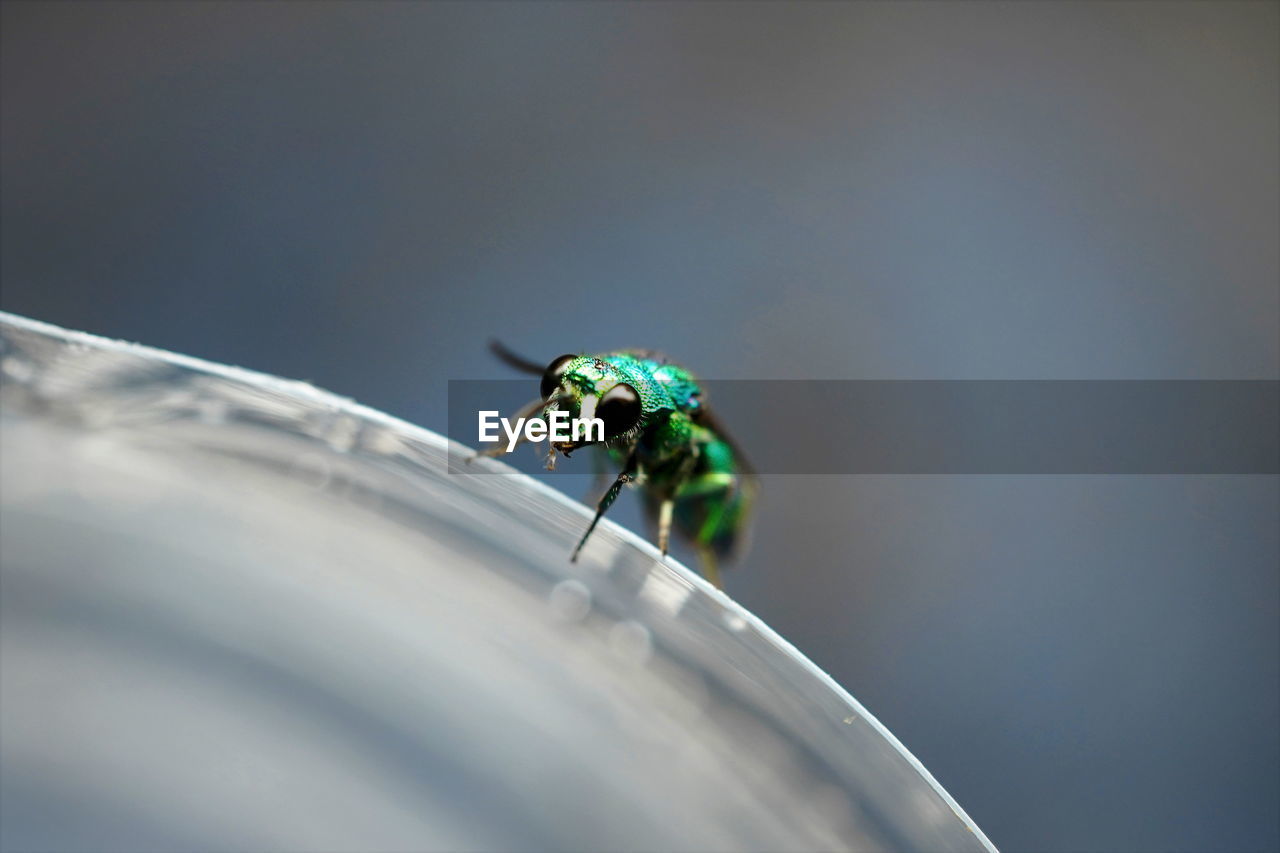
(663, 388)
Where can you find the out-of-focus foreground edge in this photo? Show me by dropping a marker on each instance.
(309, 392)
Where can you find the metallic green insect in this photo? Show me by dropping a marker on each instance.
(658, 428)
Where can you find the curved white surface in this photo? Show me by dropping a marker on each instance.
(239, 613)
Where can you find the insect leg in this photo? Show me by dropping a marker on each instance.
(664, 524)
(710, 566)
(708, 484)
(626, 476)
(500, 446)
(714, 517)
(715, 489)
(722, 498)
(497, 450)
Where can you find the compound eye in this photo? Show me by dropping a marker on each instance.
(551, 377)
(619, 408)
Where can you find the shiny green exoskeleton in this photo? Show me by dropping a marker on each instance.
(659, 430)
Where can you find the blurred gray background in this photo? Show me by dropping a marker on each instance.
(361, 194)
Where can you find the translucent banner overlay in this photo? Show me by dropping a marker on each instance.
(957, 427)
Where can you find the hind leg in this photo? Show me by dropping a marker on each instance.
(664, 524)
(715, 493)
(709, 566)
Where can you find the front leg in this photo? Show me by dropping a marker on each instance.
(499, 448)
(627, 474)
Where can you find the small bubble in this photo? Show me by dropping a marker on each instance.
(17, 369)
(570, 601)
(382, 441)
(734, 622)
(631, 641)
(342, 433)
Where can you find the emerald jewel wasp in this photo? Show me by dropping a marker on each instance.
(658, 428)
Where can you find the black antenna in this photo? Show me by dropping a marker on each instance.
(517, 361)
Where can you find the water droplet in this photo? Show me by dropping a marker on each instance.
(570, 601)
(342, 433)
(17, 369)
